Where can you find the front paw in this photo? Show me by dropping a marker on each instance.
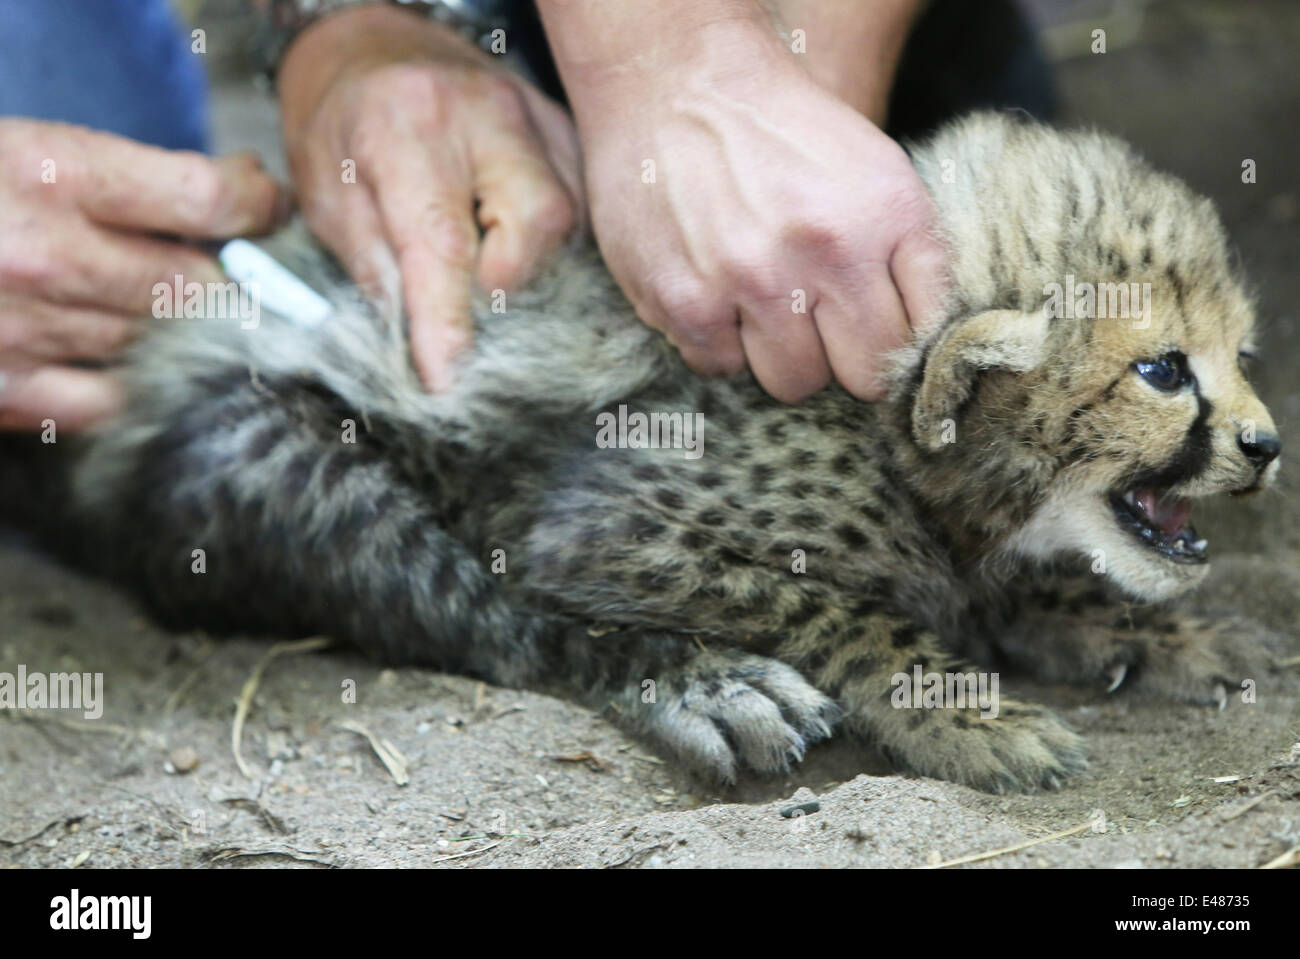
(726, 709)
(1166, 655)
(1191, 660)
(1022, 749)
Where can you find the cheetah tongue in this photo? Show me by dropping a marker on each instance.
(1171, 515)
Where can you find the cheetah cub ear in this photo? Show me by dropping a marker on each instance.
(996, 339)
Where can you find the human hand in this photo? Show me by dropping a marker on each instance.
(443, 143)
(754, 217)
(82, 216)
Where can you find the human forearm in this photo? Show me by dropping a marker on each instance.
(612, 54)
(852, 48)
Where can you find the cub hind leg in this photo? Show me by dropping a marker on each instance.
(300, 532)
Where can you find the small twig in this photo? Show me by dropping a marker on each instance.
(267, 818)
(1288, 860)
(474, 852)
(388, 754)
(168, 817)
(250, 687)
(632, 855)
(288, 852)
(36, 835)
(72, 724)
(977, 857)
(1246, 806)
(593, 761)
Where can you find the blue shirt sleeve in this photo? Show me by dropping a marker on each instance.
(123, 66)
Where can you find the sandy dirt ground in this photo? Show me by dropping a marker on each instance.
(500, 778)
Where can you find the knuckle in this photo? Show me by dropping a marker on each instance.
(824, 237)
(753, 267)
(451, 238)
(505, 98)
(27, 263)
(111, 336)
(683, 301)
(202, 188)
(404, 82)
(15, 333)
(554, 214)
(266, 207)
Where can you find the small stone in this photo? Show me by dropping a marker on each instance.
(801, 809)
(184, 759)
(803, 802)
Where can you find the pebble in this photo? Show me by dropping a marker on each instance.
(801, 809)
(803, 802)
(184, 759)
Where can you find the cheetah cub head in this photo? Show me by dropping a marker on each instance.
(1091, 367)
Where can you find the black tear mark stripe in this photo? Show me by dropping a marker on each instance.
(1192, 457)
(1109, 392)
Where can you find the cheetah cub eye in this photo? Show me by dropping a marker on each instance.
(1168, 373)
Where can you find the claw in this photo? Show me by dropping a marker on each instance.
(1221, 696)
(1117, 674)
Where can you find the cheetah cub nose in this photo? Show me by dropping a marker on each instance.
(1263, 450)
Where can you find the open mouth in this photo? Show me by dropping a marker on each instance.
(1160, 522)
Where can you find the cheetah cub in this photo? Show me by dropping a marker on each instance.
(738, 602)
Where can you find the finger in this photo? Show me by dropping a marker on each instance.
(556, 129)
(346, 219)
(524, 209)
(919, 270)
(860, 333)
(785, 354)
(111, 270)
(706, 334)
(72, 399)
(132, 185)
(427, 210)
(42, 332)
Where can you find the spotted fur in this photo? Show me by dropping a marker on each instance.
(773, 586)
